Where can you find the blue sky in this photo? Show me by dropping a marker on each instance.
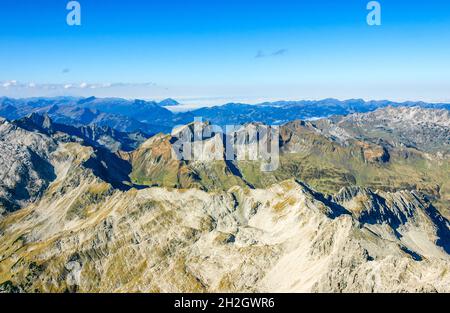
(235, 50)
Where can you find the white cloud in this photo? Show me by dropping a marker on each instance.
(10, 83)
(17, 89)
(276, 53)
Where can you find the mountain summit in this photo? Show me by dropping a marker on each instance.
(168, 102)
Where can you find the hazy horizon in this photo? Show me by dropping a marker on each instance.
(186, 104)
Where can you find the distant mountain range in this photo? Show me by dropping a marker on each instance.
(120, 114)
(152, 117)
(277, 113)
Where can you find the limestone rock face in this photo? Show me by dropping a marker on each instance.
(25, 171)
(85, 236)
(424, 129)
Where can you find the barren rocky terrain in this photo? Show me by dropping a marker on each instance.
(343, 213)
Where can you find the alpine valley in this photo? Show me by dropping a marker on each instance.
(92, 200)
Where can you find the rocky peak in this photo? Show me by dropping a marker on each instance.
(36, 122)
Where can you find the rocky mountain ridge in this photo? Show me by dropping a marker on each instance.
(422, 129)
(97, 136)
(284, 238)
(76, 218)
